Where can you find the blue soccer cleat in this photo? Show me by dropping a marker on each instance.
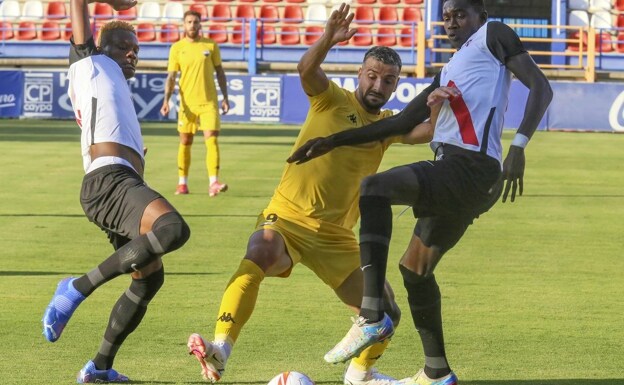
(421, 379)
(360, 336)
(60, 309)
(89, 374)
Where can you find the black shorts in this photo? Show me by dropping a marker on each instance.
(114, 197)
(454, 191)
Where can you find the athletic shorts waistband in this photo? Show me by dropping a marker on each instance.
(108, 161)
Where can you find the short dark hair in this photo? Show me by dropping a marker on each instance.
(385, 55)
(191, 12)
(478, 5)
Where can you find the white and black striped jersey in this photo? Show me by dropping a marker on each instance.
(102, 102)
(474, 120)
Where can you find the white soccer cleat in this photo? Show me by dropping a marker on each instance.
(372, 377)
(210, 355)
(361, 335)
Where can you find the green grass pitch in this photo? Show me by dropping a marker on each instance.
(532, 295)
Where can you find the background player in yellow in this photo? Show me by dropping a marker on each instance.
(311, 216)
(197, 59)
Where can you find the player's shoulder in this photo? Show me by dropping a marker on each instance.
(499, 29)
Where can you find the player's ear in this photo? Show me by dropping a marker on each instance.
(483, 16)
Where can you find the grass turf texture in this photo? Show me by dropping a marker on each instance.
(532, 294)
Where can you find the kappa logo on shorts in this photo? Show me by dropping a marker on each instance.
(226, 317)
(270, 220)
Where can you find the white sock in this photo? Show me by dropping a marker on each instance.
(183, 180)
(212, 179)
(355, 373)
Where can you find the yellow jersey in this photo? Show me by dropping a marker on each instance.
(326, 189)
(196, 60)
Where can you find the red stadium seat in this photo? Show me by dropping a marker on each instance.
(575, 45)
(102, 11)
(295, 1)
(224, 1)
(56, 10)
(26, 30)
(68, 31)
(247, 1)
(363, 37)
(127, 14)
(604, 42)
(169, 33)
(619, 5)
(312, 34)
(366, 1)
(620, 43)
(414, 1)
(411, 15)
(289, 35)
(267, 35)
(50, 30)
(218, 33)
(390, 1)
(6, 31)
(221, 12)
(364, 15)
(407, 37)
(145, 31)
(245, 11)
(271, 1)
(240, 34)
(201, 9)
(386, 36)
(269, 13)
(389, 15)
(620, 21)
(293, 14)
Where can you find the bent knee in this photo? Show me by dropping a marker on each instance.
(372, 185)
(271, 261)
(171, 231)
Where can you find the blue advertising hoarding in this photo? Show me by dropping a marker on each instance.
(11, 93)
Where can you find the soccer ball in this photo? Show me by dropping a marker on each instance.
(291, 378)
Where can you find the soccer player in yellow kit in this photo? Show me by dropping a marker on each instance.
(311, 216)
(197, 59)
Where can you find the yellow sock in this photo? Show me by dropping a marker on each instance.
(238, 301)
(370, 355)
(212, 156)
(184, 159)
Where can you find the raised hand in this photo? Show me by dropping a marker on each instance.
(313, 148)
(337, 26)
(119, 5)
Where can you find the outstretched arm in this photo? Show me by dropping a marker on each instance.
(81, 27)
(413, 114)
(540, 95)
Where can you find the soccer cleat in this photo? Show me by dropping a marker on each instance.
(373, 377)
(89, 374)
(421, 379)
(360, 336)
(210, 355)
(182, 189)
(216, 188)
(60, 309)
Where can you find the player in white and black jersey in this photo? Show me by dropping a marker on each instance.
(466, 102)
(141, 225)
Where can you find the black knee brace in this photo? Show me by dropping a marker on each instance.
(146, 288)
(171, 231)
(422, 291)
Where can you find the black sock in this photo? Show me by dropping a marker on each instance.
(423, 296)
(375, 233)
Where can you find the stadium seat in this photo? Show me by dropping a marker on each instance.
(32, 10)
(6, 31)
(201, 9)
(316, 14)
(50, 30)
(240, 34)
(269, 13)
(363, 37)
(386, 36)
(221, 12)
(247, 1)
(414, 1)
(295, 1)
(620, 42)
(364, 15)
(173, 11)
(312, 34)
(218, 33)
(619, 5)
(26, 30)
(407, 37)
(68, 31)
(146, 32)
(245, 12)
(289, 35)
(149, 12)
(604, 42)
(600, 5)
(411, 15)
(620, 21)
(578, 19)
(293, 14)
(577, 43)
(224, 1)
(169, 33)
(582, 5)
(601, 20)
(390, 1)
(388, 15)
(127, 14)
(10, 10)
(56, 10)
(102, 11)
(271, 1)
(267, 35)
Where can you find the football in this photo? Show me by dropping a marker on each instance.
(291, 378)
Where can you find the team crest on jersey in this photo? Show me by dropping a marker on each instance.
(206, 53)
(352, 118)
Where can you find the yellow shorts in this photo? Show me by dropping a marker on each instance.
(204, 117)
(330, 251)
